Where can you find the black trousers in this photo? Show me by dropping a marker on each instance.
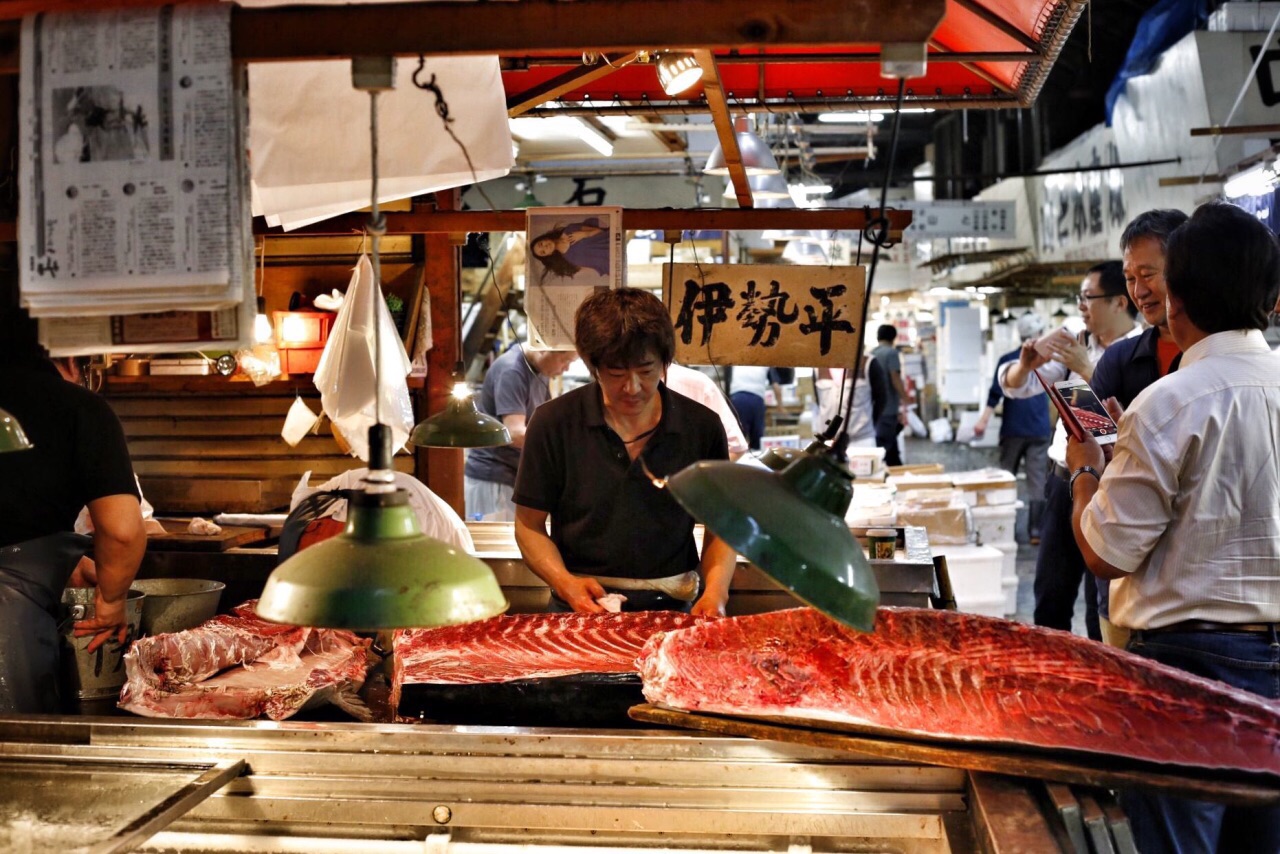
(1060, 566)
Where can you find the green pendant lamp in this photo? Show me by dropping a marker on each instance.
(11, 436)
(381, 572)
(461, 424)
(790, 524)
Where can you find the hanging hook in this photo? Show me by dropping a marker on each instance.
(442, 106)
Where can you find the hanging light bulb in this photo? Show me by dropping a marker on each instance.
(757, 159)
(678, 72)
(262, 331)
(12, 437)
(461, 424)
(381, 572)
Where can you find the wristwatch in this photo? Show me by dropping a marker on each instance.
(1071, 484)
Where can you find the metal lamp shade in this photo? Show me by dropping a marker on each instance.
(11, 436)
(678, 72)
(791, 525)
(460, 425)
(765, 188)
(380, 573)
(757, 159)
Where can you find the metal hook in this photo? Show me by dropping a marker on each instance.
(442, 106)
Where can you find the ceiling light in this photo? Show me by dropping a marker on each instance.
(12, 438)
(678, 72)
(461, 424)
(757, 159)
(763, 187)
(593, 137)
(860, 118)
(1258, 180)
(381, 572)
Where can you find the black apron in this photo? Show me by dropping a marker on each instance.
(32, 577)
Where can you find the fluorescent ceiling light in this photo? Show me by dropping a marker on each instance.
(1255, 181)
(860, 118)
(559, 127)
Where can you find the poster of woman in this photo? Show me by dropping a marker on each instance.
(571, 252)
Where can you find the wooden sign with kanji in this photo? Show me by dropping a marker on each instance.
(762, 314)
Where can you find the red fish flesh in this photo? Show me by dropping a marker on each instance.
(239, 666)
(528, 646)
(942, 674)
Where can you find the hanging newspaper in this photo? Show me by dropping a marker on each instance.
(133, 177)
(571, 252)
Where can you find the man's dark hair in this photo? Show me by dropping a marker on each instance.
(1111, 280)
(1158, 224)
(886, 333)
(620, 328)
(1225, 267)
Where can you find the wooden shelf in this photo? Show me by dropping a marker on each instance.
(216, 384)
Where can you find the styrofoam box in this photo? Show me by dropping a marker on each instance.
(1008, 573)
(975, 578)
(864, 462)
(995, 523)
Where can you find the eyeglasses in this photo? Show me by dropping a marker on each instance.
(1085, 298)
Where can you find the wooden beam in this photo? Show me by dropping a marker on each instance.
(664, 219)
(713, 91)
(1219, 130)
(530, 26)
(574, 78)
(441, 468)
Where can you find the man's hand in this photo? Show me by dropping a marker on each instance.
(708, 605)
(85, 574)
(1086, 453)
(980, 427)
(1030, 358)
(108, 622)
(581, 594)
(1074, 355)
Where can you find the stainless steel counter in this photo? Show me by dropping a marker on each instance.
(461, 789)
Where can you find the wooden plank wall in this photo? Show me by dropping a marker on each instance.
(205, 445)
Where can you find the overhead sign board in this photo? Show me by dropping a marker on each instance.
(961, 219)
(760, 314)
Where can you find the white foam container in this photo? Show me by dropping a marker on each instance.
(995, 523)
(975, 578)
(1008, 573)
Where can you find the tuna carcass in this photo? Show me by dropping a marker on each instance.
(952, 676)
(239, 666)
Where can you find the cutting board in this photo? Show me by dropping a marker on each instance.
(1074, 767)
(177, 539)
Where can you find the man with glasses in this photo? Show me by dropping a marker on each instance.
(1135, 363)
(1108, 315)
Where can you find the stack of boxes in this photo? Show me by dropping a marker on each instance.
(969, 517)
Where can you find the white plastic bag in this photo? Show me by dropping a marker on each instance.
(299, 421)
(940, 430)
(345, 376)
(915, 425)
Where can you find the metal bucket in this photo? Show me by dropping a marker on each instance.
(177, 604)
(97, 675)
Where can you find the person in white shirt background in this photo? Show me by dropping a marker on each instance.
(1186, 515)
(696, 385)
(1109, 315)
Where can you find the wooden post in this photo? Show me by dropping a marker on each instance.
(441, 468)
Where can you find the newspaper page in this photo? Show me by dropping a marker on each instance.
(572, 251)
(133, 174)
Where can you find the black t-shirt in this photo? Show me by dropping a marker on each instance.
(79, 455)
(607, 518)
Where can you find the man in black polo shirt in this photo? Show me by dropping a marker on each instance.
(587, 463)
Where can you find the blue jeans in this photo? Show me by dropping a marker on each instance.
(750, 409)
(1162, 823)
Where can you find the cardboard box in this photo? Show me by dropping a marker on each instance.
(864, 462)
(949, 524)
(986, 487)
(910, 482)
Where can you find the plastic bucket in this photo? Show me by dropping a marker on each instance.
(97, 675)
(177, 604)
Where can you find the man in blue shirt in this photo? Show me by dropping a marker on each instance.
(1025, 432)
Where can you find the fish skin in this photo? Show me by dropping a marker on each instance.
(943, 674)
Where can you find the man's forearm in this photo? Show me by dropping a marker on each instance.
(719, 560)
(117, 562)
(541, 555)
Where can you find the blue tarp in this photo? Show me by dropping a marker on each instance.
(1158, 30)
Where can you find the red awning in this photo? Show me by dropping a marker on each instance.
(984, 53)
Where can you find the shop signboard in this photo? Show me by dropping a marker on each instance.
(761, 314)
(969, 218)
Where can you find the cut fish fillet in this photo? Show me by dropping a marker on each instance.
(947, 675)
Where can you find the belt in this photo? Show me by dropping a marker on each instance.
(1211, 626)
(1061, 471)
